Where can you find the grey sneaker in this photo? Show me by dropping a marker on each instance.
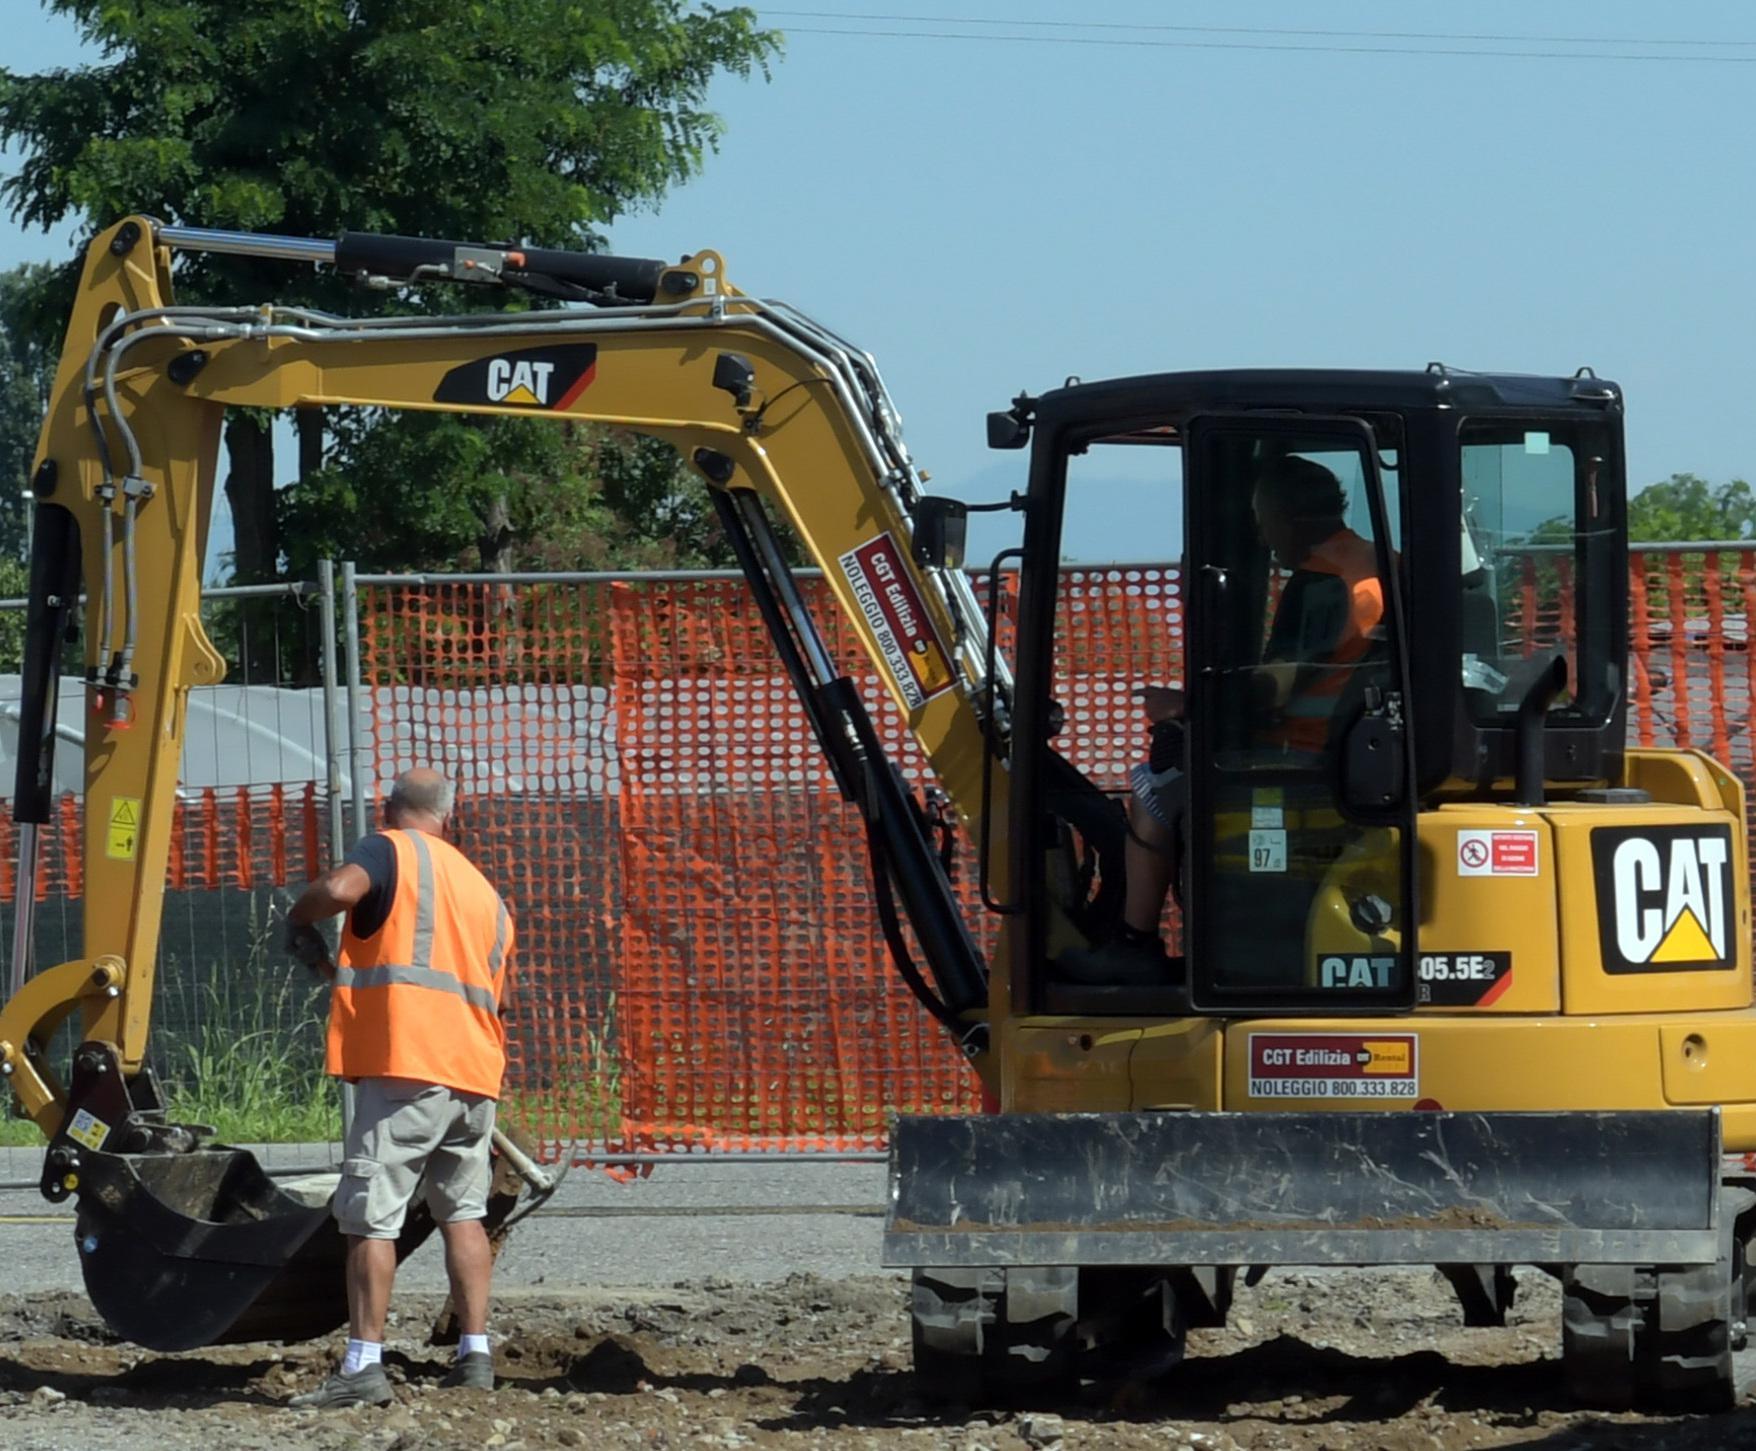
(473, 1372)
(366, 1387)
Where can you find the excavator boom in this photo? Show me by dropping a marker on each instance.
(783, 420)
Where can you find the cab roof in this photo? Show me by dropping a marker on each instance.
(1175, 397)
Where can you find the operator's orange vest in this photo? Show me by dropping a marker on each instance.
(1353, 560)
(420, 998)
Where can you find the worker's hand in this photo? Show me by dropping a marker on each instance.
(309, 946)
(1162, 702)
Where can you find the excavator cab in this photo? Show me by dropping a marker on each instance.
(1476, 525)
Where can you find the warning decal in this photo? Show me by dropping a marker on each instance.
(898, 620)
(1334, 1065)
(88, 1129)
(123, 837)
(1496, 854)
(1664, 898)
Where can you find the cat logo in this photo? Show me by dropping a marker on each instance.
(526, 381)
(1664, 897)
(546, 379)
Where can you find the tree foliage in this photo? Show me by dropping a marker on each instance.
(1686, 506)
(26, 370)
(437, 491)
(536, 120)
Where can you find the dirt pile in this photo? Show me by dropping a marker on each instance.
(1311, 1362)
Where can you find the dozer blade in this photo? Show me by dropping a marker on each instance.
(1184, 1188)
(181, 1250)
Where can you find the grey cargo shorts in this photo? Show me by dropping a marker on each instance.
(401, 1133)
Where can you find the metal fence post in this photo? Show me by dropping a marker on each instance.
(350, 606)
(357, 777)
(338, 842)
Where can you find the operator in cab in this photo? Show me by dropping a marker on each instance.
(1330, 611)
(415, 1024)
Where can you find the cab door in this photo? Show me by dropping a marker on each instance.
(1301, 893)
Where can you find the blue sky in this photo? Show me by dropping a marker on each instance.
(986, 215)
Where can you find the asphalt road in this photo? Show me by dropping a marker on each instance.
(749, 1222)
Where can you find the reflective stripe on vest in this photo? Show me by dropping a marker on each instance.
(386, 973)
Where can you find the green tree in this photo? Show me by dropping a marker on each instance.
(432, 490)
(1686, 506)
(541, 120)
(26, 370)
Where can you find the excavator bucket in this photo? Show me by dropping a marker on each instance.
(1195, 1189)
(185, 1244)
(203, 1248)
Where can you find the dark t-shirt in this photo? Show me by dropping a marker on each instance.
(376, 856)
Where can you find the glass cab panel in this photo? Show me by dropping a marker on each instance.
(1540, 563)
(1301, 809)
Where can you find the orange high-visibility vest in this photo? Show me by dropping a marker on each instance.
(1353, 560)
(420, 998)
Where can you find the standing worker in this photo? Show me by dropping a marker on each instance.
(414, 1022)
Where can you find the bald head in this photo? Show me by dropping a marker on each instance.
(420, 800)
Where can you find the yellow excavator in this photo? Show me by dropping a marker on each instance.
(1465, 979)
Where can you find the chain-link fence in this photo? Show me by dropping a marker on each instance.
(699, 962)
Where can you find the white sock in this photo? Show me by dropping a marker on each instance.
(361, 1353)
(472, 1345)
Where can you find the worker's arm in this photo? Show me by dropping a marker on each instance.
(336, 891)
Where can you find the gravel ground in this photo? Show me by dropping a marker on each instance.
(1311, 1362)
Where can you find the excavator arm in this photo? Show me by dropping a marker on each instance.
(780, 418)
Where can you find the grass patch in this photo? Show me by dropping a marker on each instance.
(239, 1048)
(584, 1106)
(241, 1053)
(252, 1066)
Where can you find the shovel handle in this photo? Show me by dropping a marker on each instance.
(528, 1169)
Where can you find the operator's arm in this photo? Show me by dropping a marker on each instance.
(1161, 702)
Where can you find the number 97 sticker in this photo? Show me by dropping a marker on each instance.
(1268, 851)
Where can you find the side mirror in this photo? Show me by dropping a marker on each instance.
(941, 530)
(1007, 430)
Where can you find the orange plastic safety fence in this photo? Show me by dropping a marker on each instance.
(699, 962)
(506, 689)
(222, 838)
